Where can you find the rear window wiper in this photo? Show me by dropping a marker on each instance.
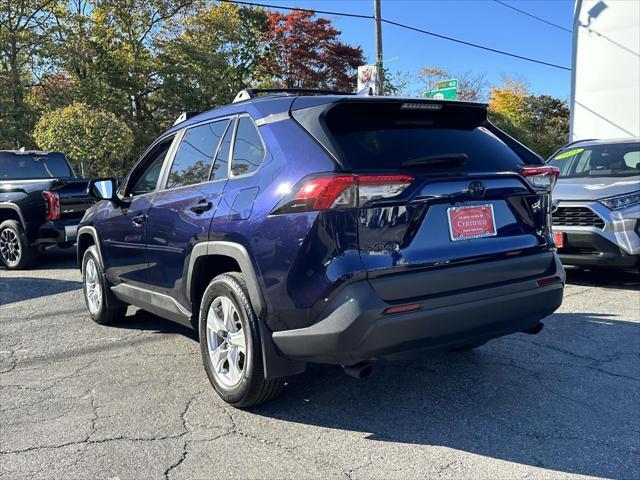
(445, 159)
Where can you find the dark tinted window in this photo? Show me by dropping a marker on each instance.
(248, 151)
(384, 135)
(194, 157)
(146, 179)
(221, 165)
(17, 166)
(614, 160)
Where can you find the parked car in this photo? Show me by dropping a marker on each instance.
(41, 203)
(596, 217)
(290, 228)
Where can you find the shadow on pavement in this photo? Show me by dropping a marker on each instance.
(18, 289)
(536, 400)
(605, 278)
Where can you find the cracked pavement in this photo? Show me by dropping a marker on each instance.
(132, 401)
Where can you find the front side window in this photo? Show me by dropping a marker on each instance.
(194, 158)
(613, 160)
(248, 150)
(145, 177)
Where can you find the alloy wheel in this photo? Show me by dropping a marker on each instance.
(92, 286)
(10, 246)
(226, 342)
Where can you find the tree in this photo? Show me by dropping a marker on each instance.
(303, 51)
(215, 54)
(540, 122)
(92, 138)
(26, 27)
(472, 87)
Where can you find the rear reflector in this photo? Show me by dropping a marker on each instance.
(53, 205)
(543, 177)
(402, 308)
(340, 191)
(548, 281)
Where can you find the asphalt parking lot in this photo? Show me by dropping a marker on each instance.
(132, 401)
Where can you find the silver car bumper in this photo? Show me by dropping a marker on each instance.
(621, 227)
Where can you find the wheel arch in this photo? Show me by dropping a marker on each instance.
(87, 236)
(10, 211)
(239, 260)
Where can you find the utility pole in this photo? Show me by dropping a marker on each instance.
(378, 19)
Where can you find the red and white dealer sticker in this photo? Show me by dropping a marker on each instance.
(474, 221)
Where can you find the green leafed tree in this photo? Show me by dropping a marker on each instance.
(539, 121)
(26, 32)
(214, 54)
(93, 139)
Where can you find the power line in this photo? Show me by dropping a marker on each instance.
(470, 44)
(325, 12)
(402, 25)
(532, 16)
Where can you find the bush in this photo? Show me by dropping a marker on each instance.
(95, 138)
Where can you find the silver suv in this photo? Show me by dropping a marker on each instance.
(596, 203)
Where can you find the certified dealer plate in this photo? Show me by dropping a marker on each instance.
(474, 221)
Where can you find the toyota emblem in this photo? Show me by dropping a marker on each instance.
(477, 189)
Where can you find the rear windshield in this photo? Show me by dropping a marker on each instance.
(24, 166)
(614, 160)
(382, 136)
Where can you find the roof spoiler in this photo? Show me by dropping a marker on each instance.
(249, 93)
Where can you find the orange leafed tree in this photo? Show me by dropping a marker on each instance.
(306, 52)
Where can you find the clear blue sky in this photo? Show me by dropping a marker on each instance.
(479, 21)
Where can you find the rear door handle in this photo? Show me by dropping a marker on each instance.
(138, 220)
(202, 207)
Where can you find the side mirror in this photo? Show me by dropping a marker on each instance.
(103, 188)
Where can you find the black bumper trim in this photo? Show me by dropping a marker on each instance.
(354, 329)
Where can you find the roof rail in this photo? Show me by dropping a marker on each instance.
(249, 93)
(185, 116)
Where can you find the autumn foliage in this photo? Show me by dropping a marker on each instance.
(306, 52)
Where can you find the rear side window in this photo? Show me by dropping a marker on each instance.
(194, 158)
(22, 166)
(248, 149)
(384, 135)
(221, 165)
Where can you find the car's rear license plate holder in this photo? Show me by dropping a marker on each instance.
(558, 239)
(471, 221)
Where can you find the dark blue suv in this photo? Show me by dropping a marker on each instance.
(306, 226)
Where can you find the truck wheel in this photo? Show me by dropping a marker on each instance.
(94, 286)
(15, 251)
(230, 344)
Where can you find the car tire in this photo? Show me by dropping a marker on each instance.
(94, 287)
(231, 346)
(15, 251)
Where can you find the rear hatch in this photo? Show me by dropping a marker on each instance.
(439, 187)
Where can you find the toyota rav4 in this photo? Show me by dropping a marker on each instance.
(299, 226)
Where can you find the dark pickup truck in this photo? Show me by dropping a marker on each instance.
(41, 203)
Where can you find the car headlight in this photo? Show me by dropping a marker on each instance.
(621, 201)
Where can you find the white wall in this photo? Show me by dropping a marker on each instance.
(605, 90)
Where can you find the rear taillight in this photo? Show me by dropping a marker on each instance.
(341, 191)
(53, 205)
(544, 177)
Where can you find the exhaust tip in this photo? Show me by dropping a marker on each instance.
(359, 370)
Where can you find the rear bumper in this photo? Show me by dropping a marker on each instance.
(57, 231)
(354, 329)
